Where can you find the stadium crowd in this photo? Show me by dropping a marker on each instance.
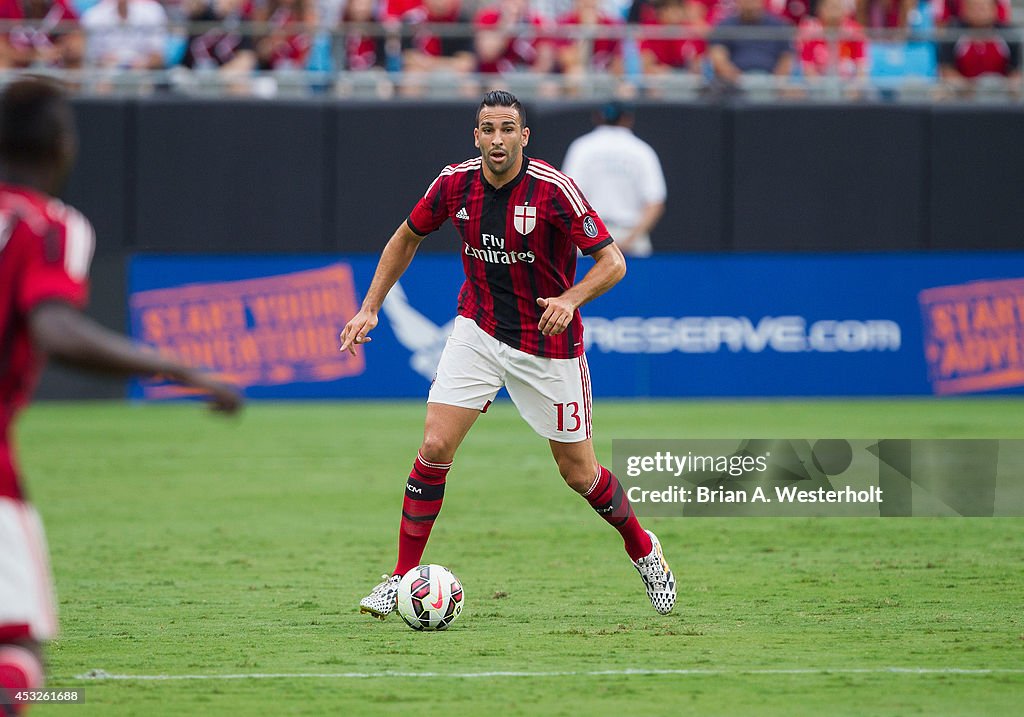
(852, 48)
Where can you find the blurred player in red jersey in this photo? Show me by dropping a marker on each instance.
(519, 326)
(45, 251)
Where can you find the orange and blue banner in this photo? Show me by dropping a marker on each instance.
(974, 335)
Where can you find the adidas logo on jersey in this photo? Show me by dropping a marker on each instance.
(462, 214)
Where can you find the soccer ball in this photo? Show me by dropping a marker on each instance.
(430, 597)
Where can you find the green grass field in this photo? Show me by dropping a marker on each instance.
(186, 545)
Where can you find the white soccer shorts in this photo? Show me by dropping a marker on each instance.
(26, 587)
(552, 395)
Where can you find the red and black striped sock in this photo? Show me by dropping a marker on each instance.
(423, 495)
(609, 500)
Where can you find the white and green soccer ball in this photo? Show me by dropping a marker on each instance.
(430, 597)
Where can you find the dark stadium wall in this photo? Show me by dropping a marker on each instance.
(843, 178)
(185, 175)
(178, 175)
(103, 186)
(976, 178)
(232, 177)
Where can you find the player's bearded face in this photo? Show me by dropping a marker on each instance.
(501, 137)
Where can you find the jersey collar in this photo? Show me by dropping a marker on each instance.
(511, 185)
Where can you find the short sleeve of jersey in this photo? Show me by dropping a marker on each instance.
(431, 211)
(55, 266)
(590, 234)
(577, 218)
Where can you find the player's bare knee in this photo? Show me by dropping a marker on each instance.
(437, 449)
(577, 475)
(579, 482)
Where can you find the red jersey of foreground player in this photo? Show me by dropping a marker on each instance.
(45, 250)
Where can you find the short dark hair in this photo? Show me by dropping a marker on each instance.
(502, 98)
(36, 126)
(616, 111)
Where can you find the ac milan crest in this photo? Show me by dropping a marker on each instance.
(524, 219)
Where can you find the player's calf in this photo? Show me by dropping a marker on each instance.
(609, 501)
(424, 495)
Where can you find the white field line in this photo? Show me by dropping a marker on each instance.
(100, 675)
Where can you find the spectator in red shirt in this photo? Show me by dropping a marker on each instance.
(699, 12)
(363, 53)
(361, 50)
(661, 55)
(832, 44)
(287, 44)
(426, 52)
(576, 56)
(965, 59)
(225, 47)
(396, 9)
(510, 38)
(42, 43)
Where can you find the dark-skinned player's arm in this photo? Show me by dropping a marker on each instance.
(394, 260)
(72, 338)
(608, 269)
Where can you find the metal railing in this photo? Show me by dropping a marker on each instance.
(326, 74)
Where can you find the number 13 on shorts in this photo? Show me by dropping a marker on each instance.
(568, 416)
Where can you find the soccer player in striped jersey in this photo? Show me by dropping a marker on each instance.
(518, 326)
(45, 251)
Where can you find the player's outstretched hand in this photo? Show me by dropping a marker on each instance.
(222, 397)
(556, 317)
(356, 330)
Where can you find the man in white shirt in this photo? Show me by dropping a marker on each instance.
(126, 34)
(622, 177)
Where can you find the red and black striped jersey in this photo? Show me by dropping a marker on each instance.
(519, 244)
